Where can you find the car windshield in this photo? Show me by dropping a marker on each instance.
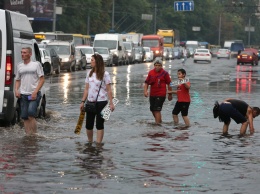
(87, 51)
(137, 50)
(111, 44)
(60, 49)
(222, 50)
(151, 43)
(175, 49)
(147, 49)
(202, 51)
(246, 53)
(127, 46)
(101, 50)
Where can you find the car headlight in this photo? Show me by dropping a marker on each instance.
(157, 52)
(115, 53)
(66, 60)
(129, 53)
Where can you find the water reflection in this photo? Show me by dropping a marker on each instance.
(128, 84)
(113, 79)
(245, 78)
(16, 158)
(93, 161)
(66, 86)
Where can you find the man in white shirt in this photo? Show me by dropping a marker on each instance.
(29, 80)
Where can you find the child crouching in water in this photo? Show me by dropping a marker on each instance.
(183, 100)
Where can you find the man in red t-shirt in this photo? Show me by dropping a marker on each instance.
(158, 79)
(183, 102)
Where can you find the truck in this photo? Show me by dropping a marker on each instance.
(155, 42)
(192, 44)
(171, 37)
(133, 37)
(227, 43)
(114, 42)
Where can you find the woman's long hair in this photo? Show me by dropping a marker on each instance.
(99, 68)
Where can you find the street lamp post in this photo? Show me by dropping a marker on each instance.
(155, 12)
(54, 17)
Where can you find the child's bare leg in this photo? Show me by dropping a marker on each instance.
(175, 119)
(186, 120)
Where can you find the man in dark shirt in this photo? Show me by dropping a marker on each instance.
(240, 112)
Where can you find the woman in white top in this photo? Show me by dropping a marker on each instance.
(95, 77)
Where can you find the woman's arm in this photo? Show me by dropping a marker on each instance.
(110, 97)
(84, 97)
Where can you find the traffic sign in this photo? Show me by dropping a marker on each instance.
(183, 5)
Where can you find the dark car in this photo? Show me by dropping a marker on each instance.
(247, 56)
(55, 60)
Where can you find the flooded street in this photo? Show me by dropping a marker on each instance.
(138, 156)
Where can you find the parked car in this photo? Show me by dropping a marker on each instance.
(202, 55)
(247, 56)
(177, 53)
(107, 56)
(129, 47)
(138, 55)
(191, 51)
(66, 51)
(46, 61)
(88, 51)
(165, 53)
(54, 64)
(148, 54)
(142, 52)
(223, 53)
(81, 61)
(214, 51)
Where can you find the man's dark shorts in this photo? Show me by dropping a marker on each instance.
(156, 103)
(29, 107)
(90, 117)
(227, 111)
(182, 107)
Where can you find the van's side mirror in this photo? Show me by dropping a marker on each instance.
(119, 48)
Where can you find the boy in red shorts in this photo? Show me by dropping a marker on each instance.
(183, 100)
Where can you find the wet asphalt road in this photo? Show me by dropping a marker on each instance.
(138, 156)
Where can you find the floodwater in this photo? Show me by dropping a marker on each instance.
(138, 156)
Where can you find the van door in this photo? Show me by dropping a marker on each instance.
(3, 39)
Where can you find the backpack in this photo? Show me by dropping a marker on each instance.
(216, 109)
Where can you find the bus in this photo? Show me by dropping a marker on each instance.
(170, 37)
(155, 42)
(41, 36)
(87, 40)
(77, 39)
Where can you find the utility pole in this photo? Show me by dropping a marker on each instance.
(54, 17)
(113, 15)
(219, 29)
(155, 12)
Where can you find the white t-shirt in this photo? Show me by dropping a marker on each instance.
(94, 85)
(29, 75)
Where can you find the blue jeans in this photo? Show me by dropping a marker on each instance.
(29, 107)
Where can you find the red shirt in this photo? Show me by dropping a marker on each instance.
(183, 94)
(158, 82)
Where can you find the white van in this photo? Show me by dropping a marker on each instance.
(192, 44)
(114, 42)
(15, 33)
